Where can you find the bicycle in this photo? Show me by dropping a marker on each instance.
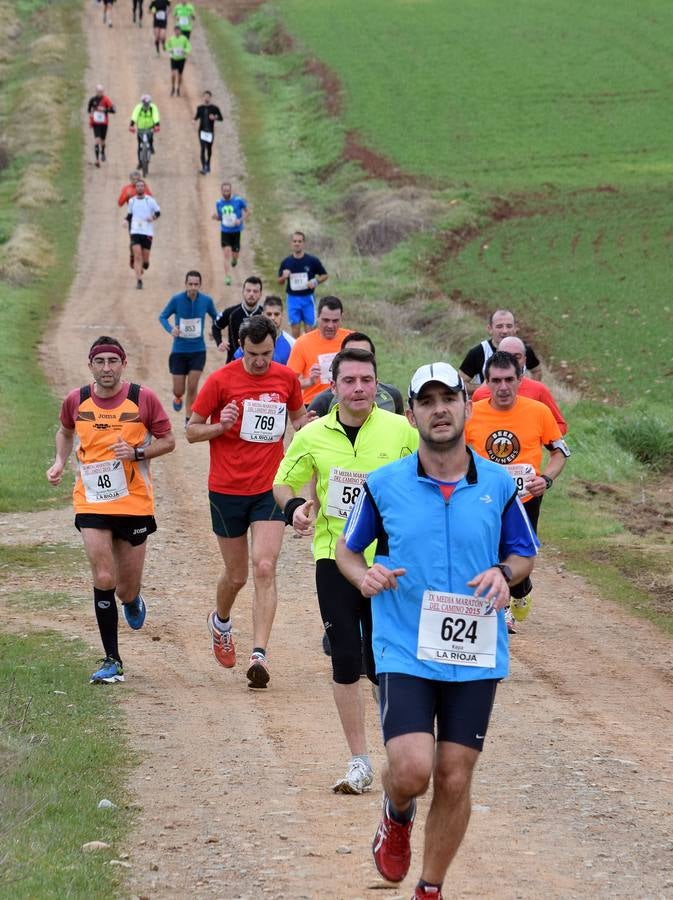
(144, 150)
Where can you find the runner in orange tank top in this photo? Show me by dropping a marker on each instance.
(119, 428)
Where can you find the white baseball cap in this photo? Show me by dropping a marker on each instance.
(440, 371)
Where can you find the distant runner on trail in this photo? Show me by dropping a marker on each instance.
(450, 537)
(107, 12)
(232, 317)
(188, 355)
(178, 48)
(184, 17)
(138, 12)
(144, 211)
(207, 113)
(119, 427)
(99, 108)
(231, 211)
(501, 323)
(159, 9)
(242, 410)
(301, 274)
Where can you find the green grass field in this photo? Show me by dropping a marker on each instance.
(50, 150)
(560, 107)
(502, 95)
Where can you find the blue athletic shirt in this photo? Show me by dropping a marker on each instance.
(234, 206)
(442, 545)
(281, 352)
(307, 263)
(192, 314)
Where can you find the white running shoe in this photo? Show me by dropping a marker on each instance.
(357, 779)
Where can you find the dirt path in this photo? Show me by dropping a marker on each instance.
(574, 797)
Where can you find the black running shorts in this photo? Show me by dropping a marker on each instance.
(462, 709)
(133, 529)
(231, 514)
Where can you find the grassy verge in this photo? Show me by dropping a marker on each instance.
(59, 756)
(567, 255)
(39, 224)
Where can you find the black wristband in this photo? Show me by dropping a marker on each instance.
(290, 508)
(548, 481)
(505, 569)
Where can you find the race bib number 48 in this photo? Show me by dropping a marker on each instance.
(456, 629)
(104, 481)
(263, 422)
(343, 489)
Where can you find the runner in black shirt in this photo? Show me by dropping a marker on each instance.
(206, 115)
(159, 8)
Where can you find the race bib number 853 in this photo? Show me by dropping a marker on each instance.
(455, 629)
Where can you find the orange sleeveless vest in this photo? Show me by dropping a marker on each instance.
(106, 485)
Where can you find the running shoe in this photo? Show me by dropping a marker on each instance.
(227, 280)
(509, 621)
(135, 612)
(139, 284)
(357, 779)
(177, 403)
(521, 607)
(222, 644)
(424, 892)
(110, 671)
(258, 671)
(392, 846)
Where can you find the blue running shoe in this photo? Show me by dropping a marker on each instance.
(177, 403)
(135, 613)
(110, 672)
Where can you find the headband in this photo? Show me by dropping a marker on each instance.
(107, 348)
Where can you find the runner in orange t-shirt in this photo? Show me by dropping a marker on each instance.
(313, 352)
(242, 411)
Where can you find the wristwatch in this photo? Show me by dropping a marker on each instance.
(505, 569)
(549, 482)
(139, 453)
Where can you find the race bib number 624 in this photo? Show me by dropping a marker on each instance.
(457, 630)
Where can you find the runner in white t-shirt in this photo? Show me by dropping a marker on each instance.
(143, 211)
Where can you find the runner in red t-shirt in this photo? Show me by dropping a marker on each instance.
(242, 410)
(99, 109)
